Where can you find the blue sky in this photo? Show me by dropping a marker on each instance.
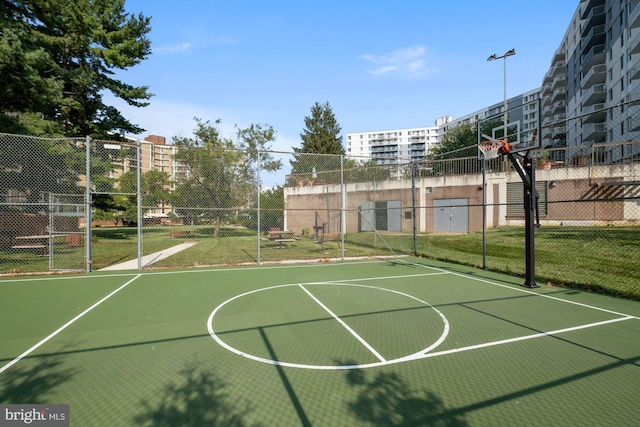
(380, 64)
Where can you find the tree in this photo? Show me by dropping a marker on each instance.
(154, 191)
(154, 187)
(272, 208)
(58, 57)
(219, 173)
(458, 138)
(321, 135)
(457, 142)
(455, 139)
(33, 168)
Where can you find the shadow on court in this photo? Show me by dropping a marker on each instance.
(33, 383)
(200, 398)
(385, 399)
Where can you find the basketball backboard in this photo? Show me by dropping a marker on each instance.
(522, 130)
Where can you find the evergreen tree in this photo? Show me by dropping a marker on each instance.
(321, 135)
(58, 57)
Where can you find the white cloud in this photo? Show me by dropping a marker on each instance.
(176, 48)
(408, 62)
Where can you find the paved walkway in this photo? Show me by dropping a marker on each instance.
(151, 258)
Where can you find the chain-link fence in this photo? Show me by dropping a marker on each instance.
(162, 206)
(42, 205)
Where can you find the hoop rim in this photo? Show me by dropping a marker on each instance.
(492, 143)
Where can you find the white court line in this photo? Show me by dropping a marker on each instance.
(63, 327)
(523, 338)
(512, 287)
(344, 325)
(218, 269)
(388, 277)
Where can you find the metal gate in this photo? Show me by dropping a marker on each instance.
(66, 239)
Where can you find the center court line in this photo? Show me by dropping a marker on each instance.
(344, 325)
(63, 327)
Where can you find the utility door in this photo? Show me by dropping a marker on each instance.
(451, 215)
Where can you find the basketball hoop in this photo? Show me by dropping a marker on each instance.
(492, 148)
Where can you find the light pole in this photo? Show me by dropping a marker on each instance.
(493, 58)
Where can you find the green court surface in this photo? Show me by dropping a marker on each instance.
(396, 342)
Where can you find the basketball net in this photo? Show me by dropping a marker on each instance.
(493, 148)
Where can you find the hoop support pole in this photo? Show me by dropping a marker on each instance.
(527, 173)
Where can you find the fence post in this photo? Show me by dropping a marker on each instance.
(343, 203)
(88, 204)
(139, 202)
(258, 183)
(413, 205)
(484, 212)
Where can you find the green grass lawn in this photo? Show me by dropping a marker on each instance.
(602, 259)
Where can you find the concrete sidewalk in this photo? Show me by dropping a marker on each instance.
(151, 258)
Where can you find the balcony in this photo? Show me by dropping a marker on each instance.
(634, 73)
(560, 130)
(634, 118)
(552, 120)
(595, 56)
(634, 44)
(558, 95)
(596, 75)
(558, 67)
(596, 94)
(595, 132)
(595, 113)
(634, 96)
(558, 108)
(595, 37)
(589, 4)
(558, 81)
(634, 17)
(559, 55)
(595, 17)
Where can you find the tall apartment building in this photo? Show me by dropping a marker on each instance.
(155, 155)
(389, 146)
(597, 66)
(392, 146)
(523, 107)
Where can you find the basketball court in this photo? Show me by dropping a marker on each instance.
(402, 341)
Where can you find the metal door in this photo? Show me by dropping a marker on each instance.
(451, 215)
(394, 215)
(367, 216)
